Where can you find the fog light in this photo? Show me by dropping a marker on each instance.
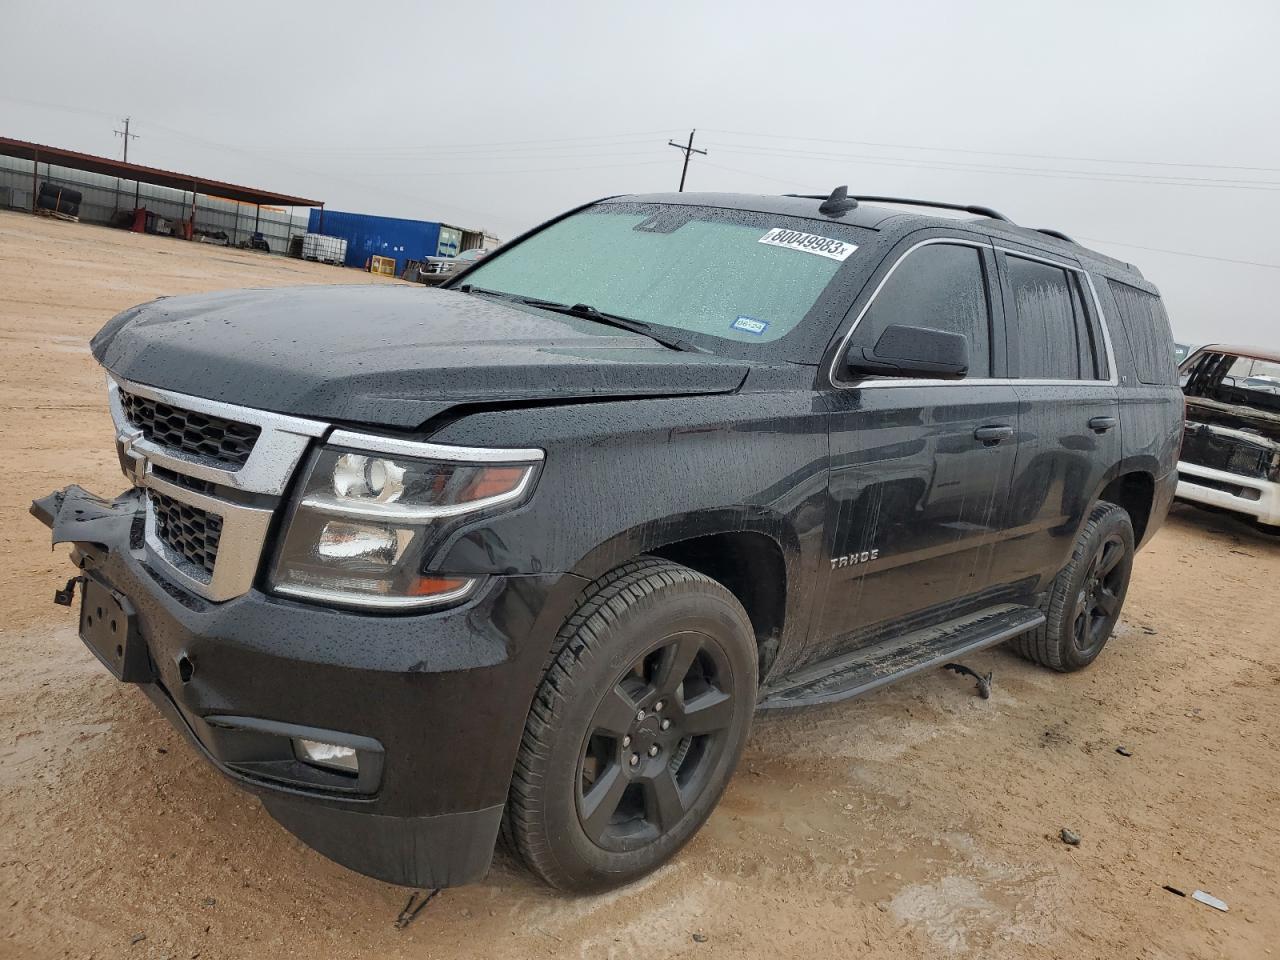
(330, 755)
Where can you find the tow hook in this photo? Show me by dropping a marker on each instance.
(67, 594)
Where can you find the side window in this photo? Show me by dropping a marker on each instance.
(1052, 336)
(1146, 327)
(943, 286)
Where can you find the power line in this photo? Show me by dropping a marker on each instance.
(752, 173)
(1183, 253)
(506, 143)
(467, 173)
(999, 153)
(651, 152)
(456, 151)
(127, 137)
(686, 149)
(1116, 243)
(1264, 186)
(333, 178)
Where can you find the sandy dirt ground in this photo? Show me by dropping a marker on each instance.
(921, 821)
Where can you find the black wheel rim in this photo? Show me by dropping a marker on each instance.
(1101, 595)
(655, 739)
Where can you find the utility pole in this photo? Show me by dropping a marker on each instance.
(127, 137)
(686, 149)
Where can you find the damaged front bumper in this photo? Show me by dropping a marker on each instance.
(432, 705)
(1231, 467)
(1252, 496)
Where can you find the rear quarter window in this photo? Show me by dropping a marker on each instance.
(1146, 328)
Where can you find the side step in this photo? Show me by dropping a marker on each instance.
(861, 671)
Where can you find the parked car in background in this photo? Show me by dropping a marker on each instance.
(1231, 444)
(1181, 351)
(439, 269)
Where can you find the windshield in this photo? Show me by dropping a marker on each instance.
(732, 274)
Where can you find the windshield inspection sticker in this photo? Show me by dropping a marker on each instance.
(809, 243)
(750, 325)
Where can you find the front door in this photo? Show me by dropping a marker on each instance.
(920, 469)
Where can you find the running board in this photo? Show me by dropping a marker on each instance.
(853, 674)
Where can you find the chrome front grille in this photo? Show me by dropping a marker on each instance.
(187, 530)
(197, 434)
(197, 459)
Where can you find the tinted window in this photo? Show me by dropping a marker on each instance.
(940, 286)
(1052, 337)
(1146, 327)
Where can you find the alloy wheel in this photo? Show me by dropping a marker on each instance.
(655, 737)
(1101, 595)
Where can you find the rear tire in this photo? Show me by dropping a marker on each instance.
(636, 728)
(1085, 600)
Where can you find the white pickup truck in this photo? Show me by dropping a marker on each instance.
(1231, 445)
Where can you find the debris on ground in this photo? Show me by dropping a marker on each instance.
(1210, 900)
(1070, 837)
(699, 938)
(1173, 890)
(984, 682)
(137, 938)
(414, 907)
(1124, 751)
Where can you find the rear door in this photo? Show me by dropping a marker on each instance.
(1069, 429)
(917, 495)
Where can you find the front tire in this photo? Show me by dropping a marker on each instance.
(636, 728)
(1085, 600)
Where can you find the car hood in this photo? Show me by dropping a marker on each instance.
(388, 355)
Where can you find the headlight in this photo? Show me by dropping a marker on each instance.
(369, 504)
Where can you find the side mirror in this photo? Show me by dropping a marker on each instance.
(904, 351)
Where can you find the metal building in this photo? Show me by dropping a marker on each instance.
(195, 205)
(369, 236)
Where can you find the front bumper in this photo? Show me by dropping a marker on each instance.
(438, 700)
(1252, 496)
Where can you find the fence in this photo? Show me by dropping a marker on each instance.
(104, 196)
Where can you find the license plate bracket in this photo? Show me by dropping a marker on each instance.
(108, 627)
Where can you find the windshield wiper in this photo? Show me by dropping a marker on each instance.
(588, 312)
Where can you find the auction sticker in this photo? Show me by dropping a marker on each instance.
(809, 243)
(750, 325)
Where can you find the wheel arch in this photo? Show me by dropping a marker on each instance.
(1135, 491)
(753, 553)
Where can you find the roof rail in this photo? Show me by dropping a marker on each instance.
(1049, 232)
(966, 208)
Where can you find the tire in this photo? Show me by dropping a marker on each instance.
(1083, 605)
(603, 793)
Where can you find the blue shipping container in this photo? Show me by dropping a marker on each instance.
(369, 236)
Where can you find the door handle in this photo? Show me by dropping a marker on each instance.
(1102, 424)
(992, 435)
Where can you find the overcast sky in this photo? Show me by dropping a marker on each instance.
(1125, 124)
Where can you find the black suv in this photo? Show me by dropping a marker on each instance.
(524, 554)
